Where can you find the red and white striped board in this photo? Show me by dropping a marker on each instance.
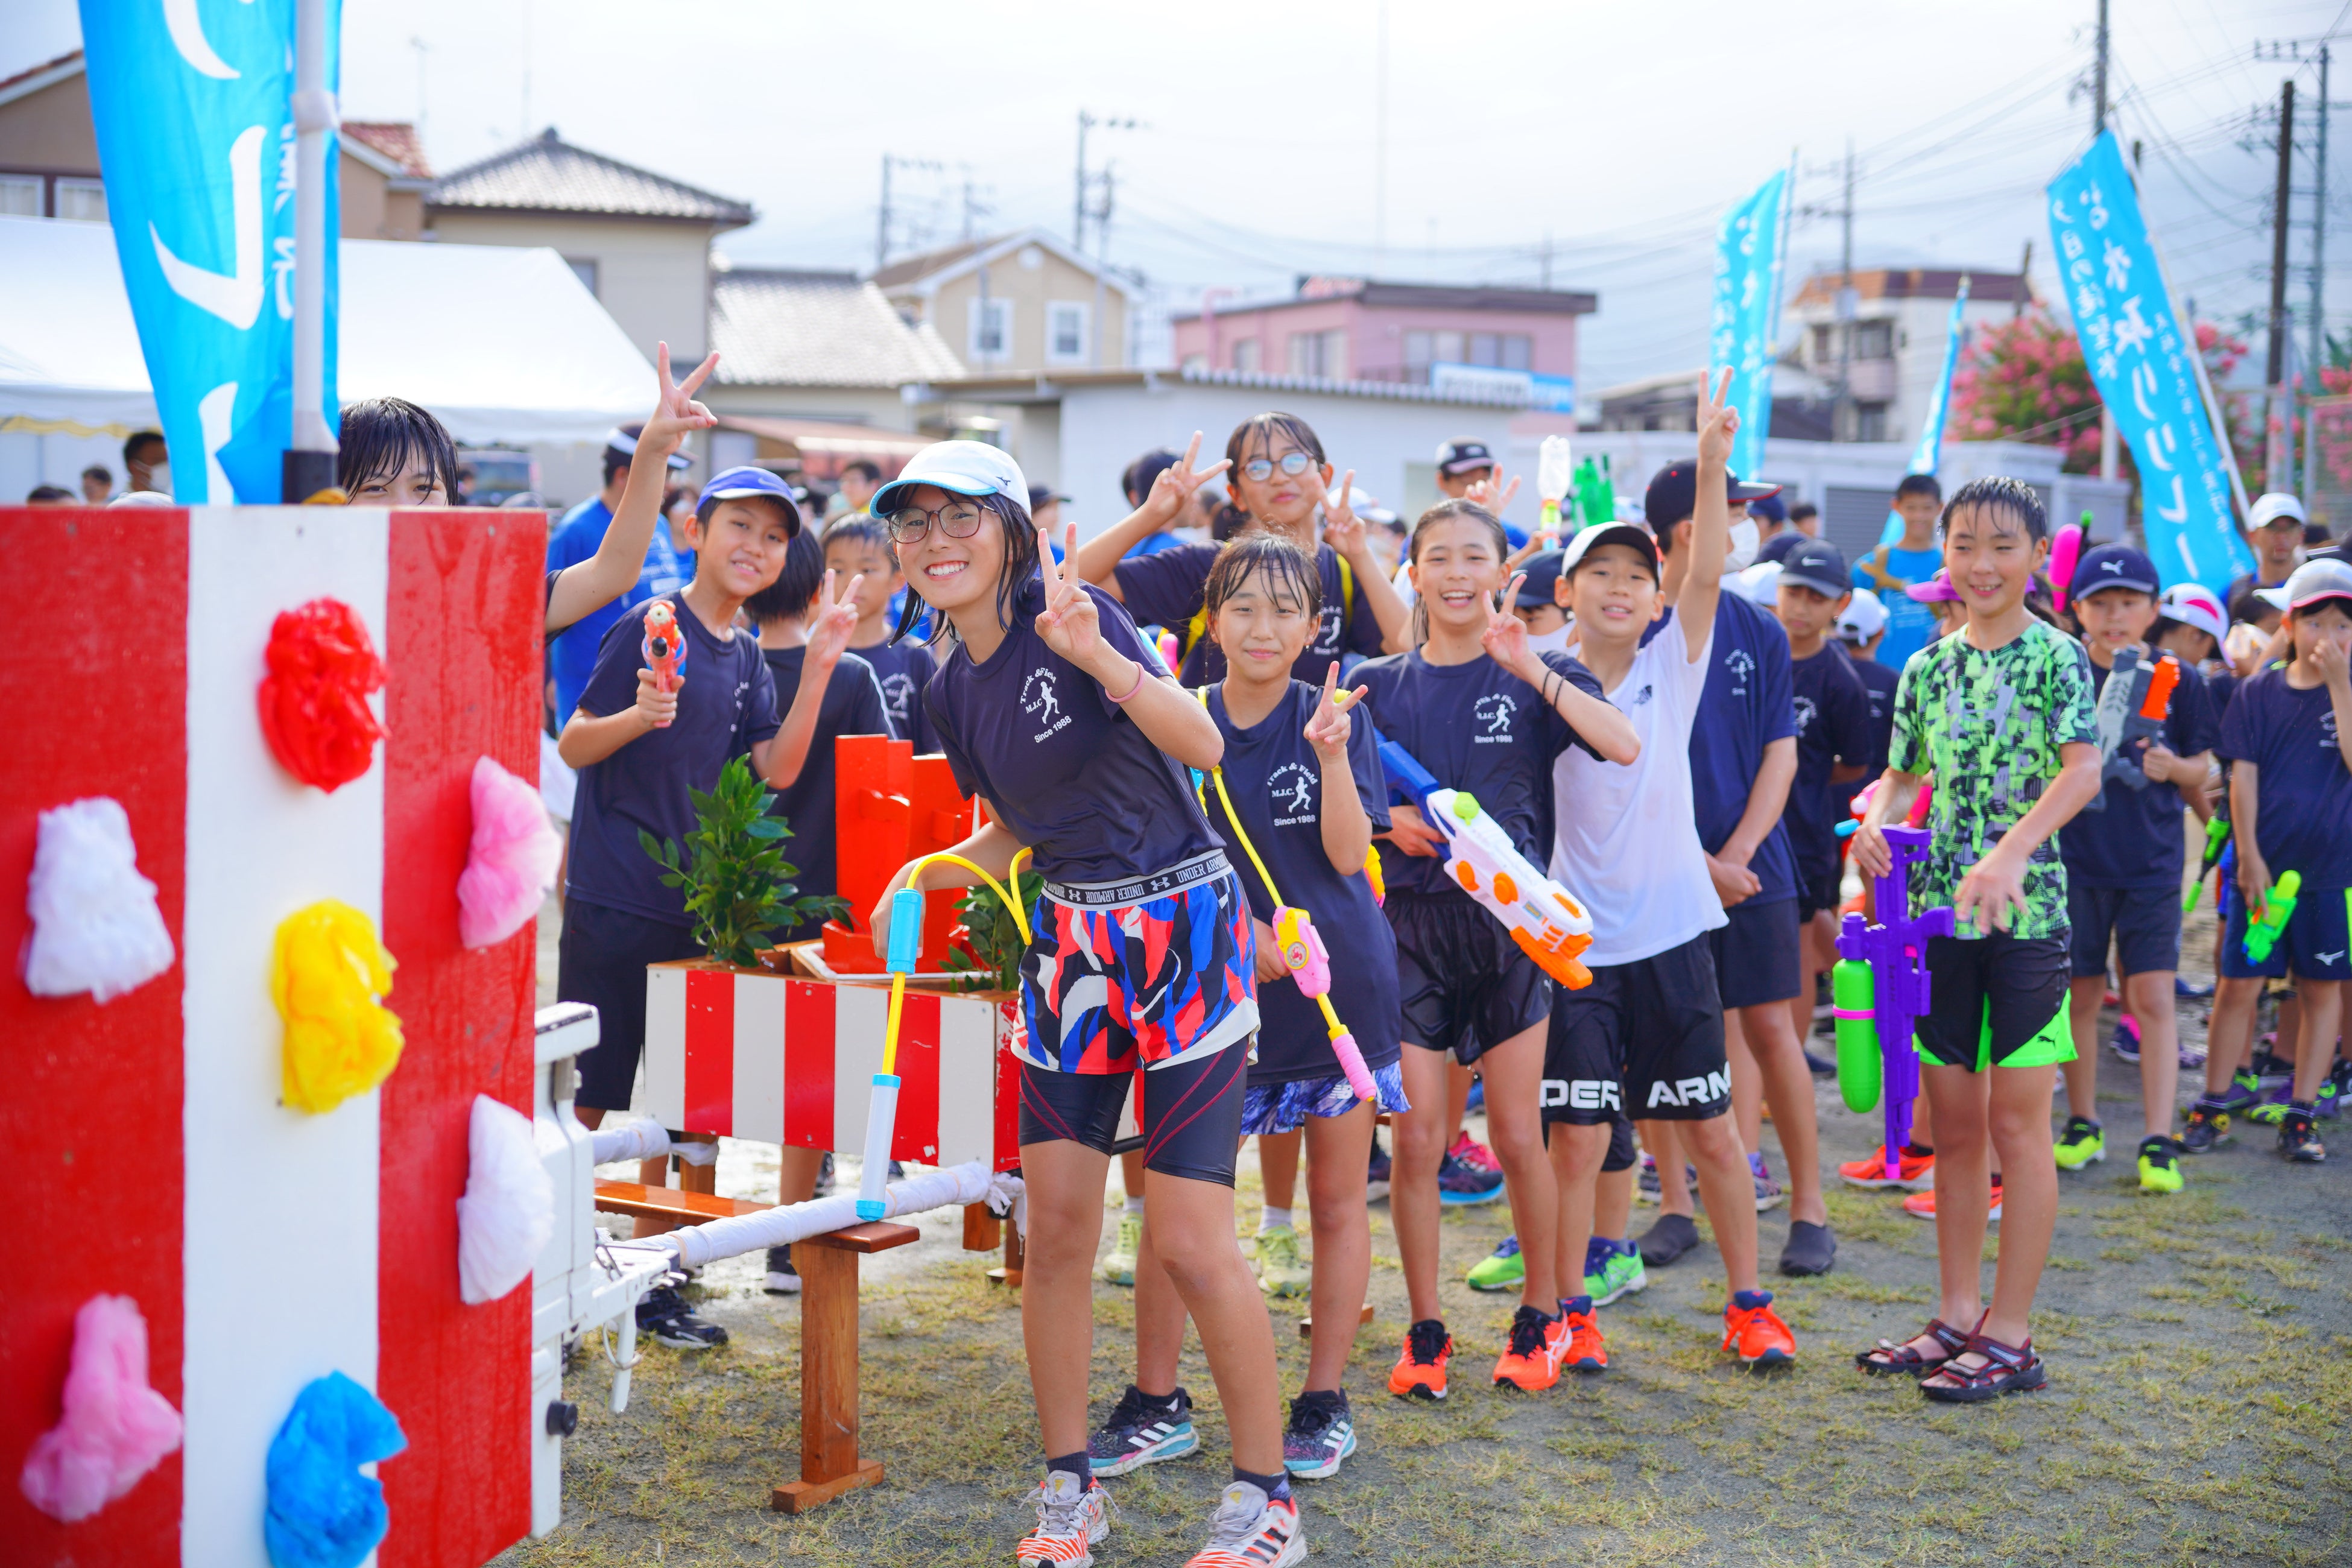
(793, 1061)
(265, 1248)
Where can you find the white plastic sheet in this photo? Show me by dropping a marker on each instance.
(508, 1212)
(96, 924)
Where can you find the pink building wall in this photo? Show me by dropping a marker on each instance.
(1375, 335)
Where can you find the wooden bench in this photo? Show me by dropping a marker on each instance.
(676, 1205)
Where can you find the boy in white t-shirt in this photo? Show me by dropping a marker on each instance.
(1645, 1038)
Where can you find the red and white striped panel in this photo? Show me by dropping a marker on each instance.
(265, 1248)
(793, 1061)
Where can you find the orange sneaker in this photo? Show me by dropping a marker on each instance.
(1752, 1328)
(1420, 1373)
(1584, 1349)
(1915, 1172)
(1531, 1360)
(1922, 1205)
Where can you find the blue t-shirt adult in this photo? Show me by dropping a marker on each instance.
(2304, 820)
(1475, 727)
(1833, 712)
(904, 668)
(1749, 702)
(1879, 682)
(852, 705)
(1060, 764)
(1152, 544)
(574, 653)
(726, 705)
(1167, 590)
(1275, 781)
(1910, 624)
(2133, 839)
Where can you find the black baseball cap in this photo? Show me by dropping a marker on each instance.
(2113, 566)
(623, 439)
(1815, 563)
(1768, 507)
(1463, 456)
(1040, 495)
(1541, 572)
(1777, 547)
(1672, 494)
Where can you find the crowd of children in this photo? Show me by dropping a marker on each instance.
(1678, 756)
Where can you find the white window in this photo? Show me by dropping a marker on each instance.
(585, 268)
(20, 195)
(1445, 348)
(990, 330)
(1068, 341)
(1245, 354)
(1322, 355)
(82, 199)
(1872, 340)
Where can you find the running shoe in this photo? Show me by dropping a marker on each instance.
(2245, 1092)
(1531, 1362)
(1584, 1349)
(1119, 1263)
(1613, 1270)
(2189, 990)
(2272, 1070)
(2273, 1110)
(1809, 1249)
(2083, 1144)
(1279, 1272)
(665, 1316)
(1915, 1172)
(2191, 1055)
(1322, 1432)
(1754, 1330)
(1922, 1205)
(1141, 1430)
(1463, 1183)
(1647, 1188)
(2125, 1043)
(1501, 1269)
(1420, 1373)
(2296, 1140)
(1474, 1154)
(2332, 1094)
(2159, 1164)
(1769, 1194)
(823, 1187)
(1252, 1531)
(784, 1279)
(1476, 1100)
(1376, 1176)
(1073, 1517)
(2207, 1126)
(1666, 1241)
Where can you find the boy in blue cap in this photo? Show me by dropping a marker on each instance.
(2122, 857)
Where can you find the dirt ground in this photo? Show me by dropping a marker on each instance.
(2201, 1351)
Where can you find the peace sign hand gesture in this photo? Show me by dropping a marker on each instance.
(1343, 531)
(1327, 731)
(1172, 492)
(676, 413)
(1718, 421)
(829, 634)
(1505, 637)
(1069, 623)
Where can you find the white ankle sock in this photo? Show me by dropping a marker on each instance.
(1272, 1218)
(1135, 1206)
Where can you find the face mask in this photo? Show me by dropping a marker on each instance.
(1744, 541)
(159, 478)
(1553, 641)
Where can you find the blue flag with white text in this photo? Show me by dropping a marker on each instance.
(1747, 282)
(192, 103)
(1928, 453)
(2145, 367)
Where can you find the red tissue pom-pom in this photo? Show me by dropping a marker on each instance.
(314, 710)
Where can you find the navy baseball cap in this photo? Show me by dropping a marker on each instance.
(1815, 563)
(737, 484)
(1777, 547)
(1541, 572)
(1770, 507)
(1464, 457)
(1672, 494)
(623, 438)
(2113, 566)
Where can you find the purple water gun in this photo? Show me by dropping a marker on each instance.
(1879, 991)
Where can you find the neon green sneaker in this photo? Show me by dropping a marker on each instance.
(1279, 1272)
(2083, 1144)
(1610, 1274)
(1501, 1269)
(1118, 1264)
(2159, 1164)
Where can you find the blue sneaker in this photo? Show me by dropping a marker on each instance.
(2188, 990)
(2125, 1043)
(1376, 1178)
(2246, 1091)
(1460, 1181)
(1613, 1270)
(1322, 1432)
(1478, 1101)
(1141, 1430)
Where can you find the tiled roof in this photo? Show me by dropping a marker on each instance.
(395, 139)
(777, 328)
(549, 174)
(1916, 283)
(69, 57)
(909, 269)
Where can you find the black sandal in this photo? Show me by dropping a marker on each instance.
(1904, 1360)
(2008, 1369)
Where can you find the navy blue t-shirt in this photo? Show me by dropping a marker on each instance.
(1275, 781)
(1166, 590)
(904, 668)
(1879, 682)
(1060, 763)
(2304, 818)
(726, 705)
(576, 537)
(2136, 841)
(1833, 712)
(1748, 703)
(852, 705)
(1475, 727)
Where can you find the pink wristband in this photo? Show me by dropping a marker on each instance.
(1133, 689)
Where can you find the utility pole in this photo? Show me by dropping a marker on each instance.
(1381, 150)
(1545, 254)
(2281, 412)
(2316, 355)
(2110, 454)
(882, 226)
(1846, 307)
(1110, 183)
(2025, 275)
(1078, 205)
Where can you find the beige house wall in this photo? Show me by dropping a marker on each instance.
(1029, 289)
(653, 278)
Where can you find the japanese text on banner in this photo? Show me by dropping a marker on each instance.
(1746, 283)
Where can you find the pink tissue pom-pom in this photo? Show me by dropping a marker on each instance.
(511, 864)
(115, 1429)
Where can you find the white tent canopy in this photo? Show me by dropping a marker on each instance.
(504, 345)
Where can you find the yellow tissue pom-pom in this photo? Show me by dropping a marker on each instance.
(325, 976)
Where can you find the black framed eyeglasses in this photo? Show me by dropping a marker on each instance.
(957, 520)
(1291, 463)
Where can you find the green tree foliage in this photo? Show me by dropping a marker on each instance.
(738, 886)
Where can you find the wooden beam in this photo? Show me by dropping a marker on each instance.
(673, 1204)
(830, 1464)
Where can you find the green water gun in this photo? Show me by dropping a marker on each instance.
(2277, 908)
(1596, 495)
(2217, 838)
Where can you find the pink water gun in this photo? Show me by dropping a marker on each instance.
(664, 646)
(1309, 962)
(2064, 551)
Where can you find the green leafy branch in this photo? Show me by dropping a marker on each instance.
(994, 963)
(737, 883)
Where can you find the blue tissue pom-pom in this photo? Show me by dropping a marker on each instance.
(322, 1513)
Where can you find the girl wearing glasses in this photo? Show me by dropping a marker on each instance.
(1278, 479)
(1053, 708)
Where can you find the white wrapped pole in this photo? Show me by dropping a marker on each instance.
(882, 1112)
(630, 1141)
(881, 1117)
(970, 1183)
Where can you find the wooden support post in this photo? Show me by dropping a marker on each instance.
(1010, 1274)
(830, 1464)
(980, 1228)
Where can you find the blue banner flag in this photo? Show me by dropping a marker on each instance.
(192, 103)
(1930, 451)
(2146, 369)
(1747, 285)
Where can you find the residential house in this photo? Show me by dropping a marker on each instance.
(1892, 349)
(1018, 304)
(1801, 404)
(1358, 329)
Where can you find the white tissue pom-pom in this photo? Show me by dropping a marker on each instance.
(96, 925)
(508, 1214)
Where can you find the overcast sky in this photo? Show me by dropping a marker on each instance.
(1620, 133)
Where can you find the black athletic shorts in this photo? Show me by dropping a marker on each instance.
(1817, 890)
(1756, 955)
(2144, 922)
(601, 960)
(1997, 1000)
(1190, 1111)
(1644, 1041)
(1463, 985)
(1621, 1151)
